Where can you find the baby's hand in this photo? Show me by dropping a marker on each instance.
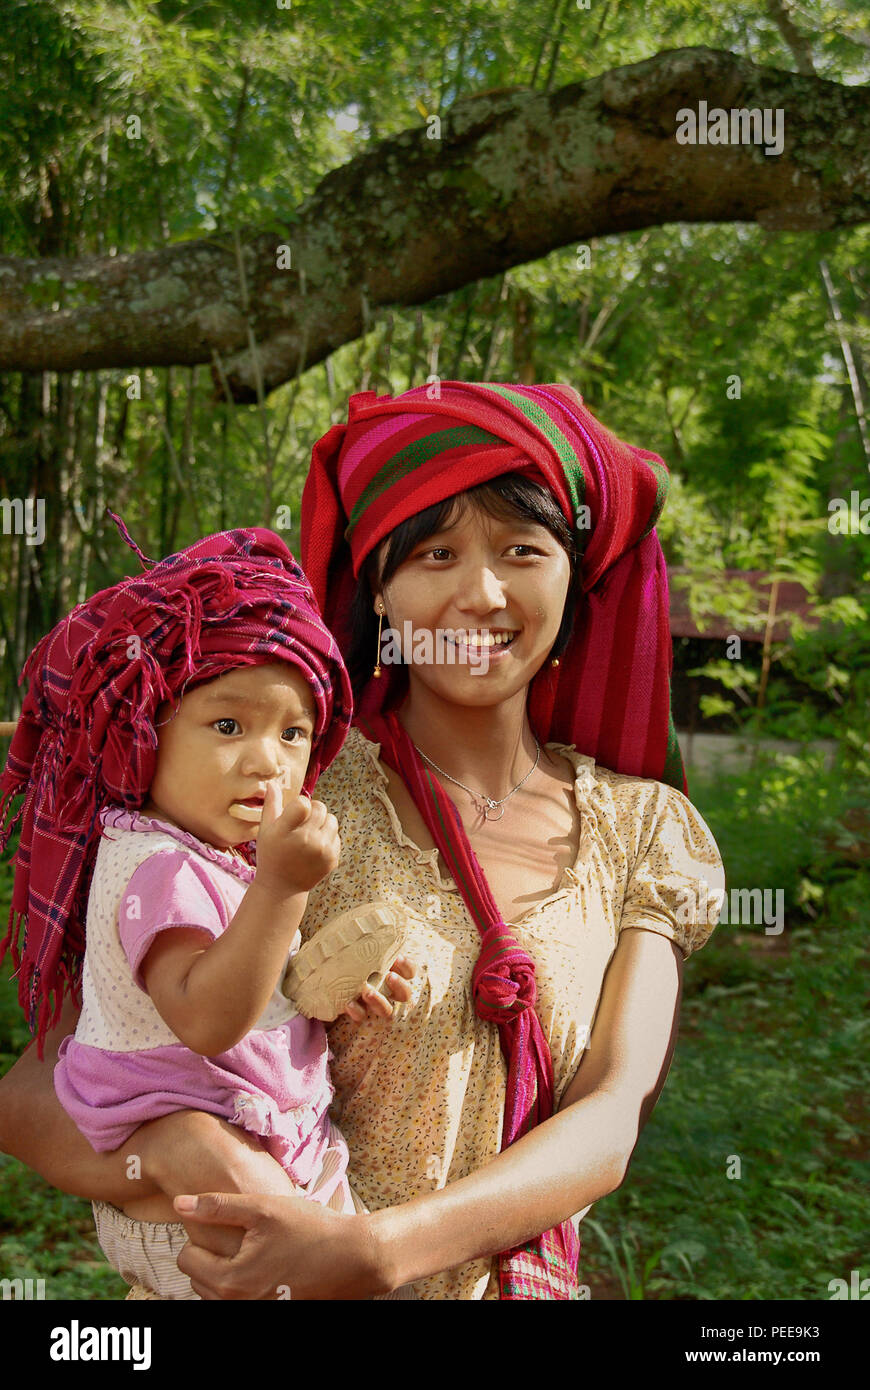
(296, 847)
(373, 1004)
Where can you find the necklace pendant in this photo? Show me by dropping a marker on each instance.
(492, 810)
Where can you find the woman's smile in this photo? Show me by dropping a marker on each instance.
(493, 590)
(495, 643)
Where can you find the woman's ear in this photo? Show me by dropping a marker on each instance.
(374, 568)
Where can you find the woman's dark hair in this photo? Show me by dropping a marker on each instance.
(510, 497)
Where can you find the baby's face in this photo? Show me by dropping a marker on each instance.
(228, 740)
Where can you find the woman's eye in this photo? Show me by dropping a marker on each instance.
(439, 552)
(220, 724)
(523, 547)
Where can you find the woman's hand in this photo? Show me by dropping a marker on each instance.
(292, 1248)
(372, 1003)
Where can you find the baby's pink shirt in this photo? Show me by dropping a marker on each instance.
(124, 1065)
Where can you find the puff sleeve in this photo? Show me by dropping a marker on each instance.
(677, 884)
(177, 890)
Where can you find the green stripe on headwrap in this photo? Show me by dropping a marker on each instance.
(662, 485)
(571, 465)
(413, 456)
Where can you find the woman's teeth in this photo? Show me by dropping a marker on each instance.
(486, 639)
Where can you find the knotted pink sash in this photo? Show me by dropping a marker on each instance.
(505, 993)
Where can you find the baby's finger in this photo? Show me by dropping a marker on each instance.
(403, 965)
(273, 804)
(318, 815)
(297, 810)
(374, 1003)
(399, 988)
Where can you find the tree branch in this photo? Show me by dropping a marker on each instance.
(513, 177)
(797, 43)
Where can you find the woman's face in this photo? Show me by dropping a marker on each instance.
(502, 583)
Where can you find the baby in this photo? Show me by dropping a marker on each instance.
(174, 728)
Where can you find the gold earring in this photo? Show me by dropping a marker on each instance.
(377, 671)
(555, 661)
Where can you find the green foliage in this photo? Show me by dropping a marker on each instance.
(44, 1234)
(771, 1068)
(782, 825)
(244, 108)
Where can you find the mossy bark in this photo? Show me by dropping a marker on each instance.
(513, 176)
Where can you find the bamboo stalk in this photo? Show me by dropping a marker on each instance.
(848, 359)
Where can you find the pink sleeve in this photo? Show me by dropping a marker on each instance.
(170, 889)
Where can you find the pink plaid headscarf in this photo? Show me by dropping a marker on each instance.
(86, 737)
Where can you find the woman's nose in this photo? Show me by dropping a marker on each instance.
(480, 590)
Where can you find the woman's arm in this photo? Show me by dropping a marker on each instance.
(571, 1160)
(36, 1129)
(169, 1154)
(579, 1155)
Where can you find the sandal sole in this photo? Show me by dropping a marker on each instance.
(352, 950)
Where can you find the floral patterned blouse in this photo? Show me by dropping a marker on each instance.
(420, 1097)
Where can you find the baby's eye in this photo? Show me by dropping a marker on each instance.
(294, 735)
(221, 723)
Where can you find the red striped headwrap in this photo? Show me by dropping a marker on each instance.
(86, 737)
(610, 696)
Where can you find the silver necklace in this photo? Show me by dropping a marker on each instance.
(485, 804)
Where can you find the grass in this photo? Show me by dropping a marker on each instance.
(747, 1183)
(44, 1234)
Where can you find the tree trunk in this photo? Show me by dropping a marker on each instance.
(523, 345)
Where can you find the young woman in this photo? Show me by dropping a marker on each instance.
(526, 812)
